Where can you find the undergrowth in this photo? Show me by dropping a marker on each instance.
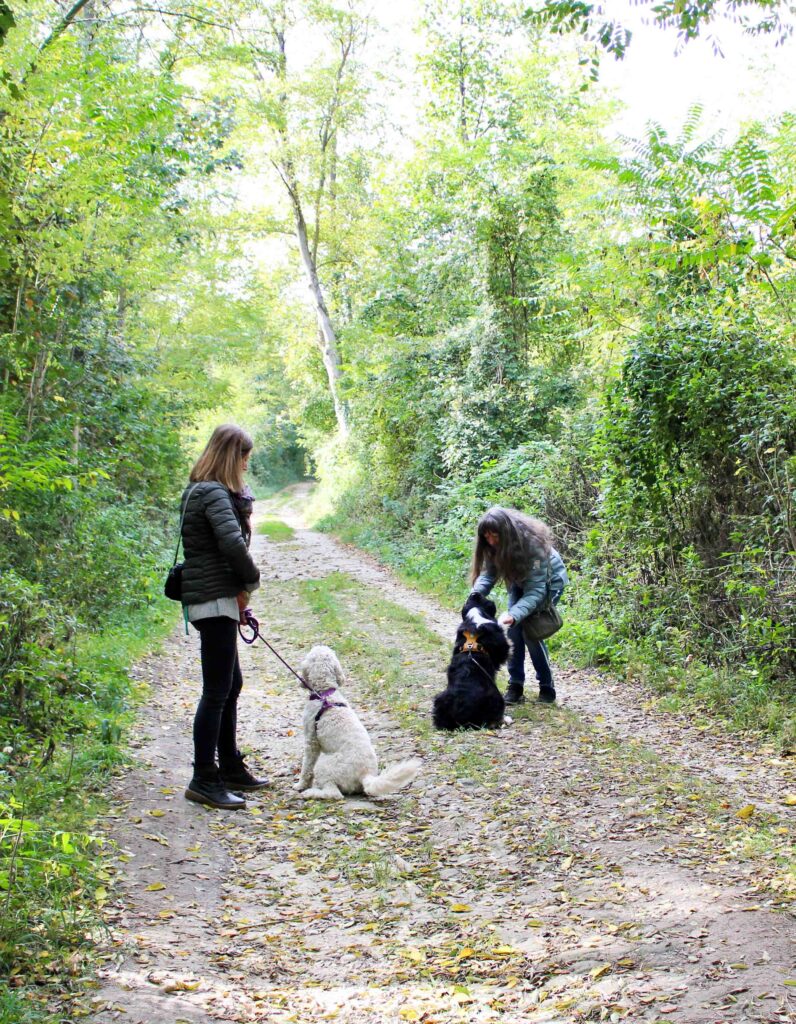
(53, 883)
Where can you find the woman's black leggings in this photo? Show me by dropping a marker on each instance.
(217, 714)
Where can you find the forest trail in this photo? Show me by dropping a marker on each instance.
(593, 861)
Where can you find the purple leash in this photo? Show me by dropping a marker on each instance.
(254, 626)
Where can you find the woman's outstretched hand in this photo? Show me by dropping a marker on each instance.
(506, 619)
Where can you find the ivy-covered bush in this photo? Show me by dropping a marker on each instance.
(696, 521)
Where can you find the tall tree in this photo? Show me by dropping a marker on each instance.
(308, 116)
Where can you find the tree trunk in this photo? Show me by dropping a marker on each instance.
(327, 339)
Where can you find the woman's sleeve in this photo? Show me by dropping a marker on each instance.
(534, 589)
(226, 528)
(485, 581)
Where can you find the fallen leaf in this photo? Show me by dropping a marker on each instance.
(789, 799)
(155, 887)
(461, 908)
(746, 812)
(180, 985)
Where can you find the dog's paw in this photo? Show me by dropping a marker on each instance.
(299, 787)
(322, 794)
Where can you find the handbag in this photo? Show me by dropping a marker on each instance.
(172, 588)
(545, 621)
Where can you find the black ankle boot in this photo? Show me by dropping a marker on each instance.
(235, 775)
(207, 788)
(514, 693)
(547, 695)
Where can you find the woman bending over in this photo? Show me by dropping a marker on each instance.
(518, 550)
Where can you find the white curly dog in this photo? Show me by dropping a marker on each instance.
(339, 758)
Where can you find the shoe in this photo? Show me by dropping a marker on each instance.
(236, 775)
(547, 695)
(207, 788)
(514, 694)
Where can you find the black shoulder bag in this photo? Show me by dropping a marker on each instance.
(172, 588)
(546, 620)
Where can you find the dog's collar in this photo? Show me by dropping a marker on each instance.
(314, 695)
(470, 644)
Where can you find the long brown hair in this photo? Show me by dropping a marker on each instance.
(523, 542)
(222, 459)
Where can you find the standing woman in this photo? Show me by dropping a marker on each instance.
(218, 576)
(518, 550)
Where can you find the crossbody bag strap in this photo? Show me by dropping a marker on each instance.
(548, 587)
(182, 520)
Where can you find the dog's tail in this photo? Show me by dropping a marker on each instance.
(392, 779)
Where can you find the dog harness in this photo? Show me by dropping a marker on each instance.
(470, 643)
(325, 702)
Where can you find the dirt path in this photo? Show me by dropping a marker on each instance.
(587, 863)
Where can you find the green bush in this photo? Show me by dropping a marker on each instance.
(111, 555)
(695, 545)
(35, 675)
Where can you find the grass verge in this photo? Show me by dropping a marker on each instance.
(275, 529)
(53, 882)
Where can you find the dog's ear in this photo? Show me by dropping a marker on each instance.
(339, 675)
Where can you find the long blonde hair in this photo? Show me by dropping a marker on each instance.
(523, 543)
(222, 459)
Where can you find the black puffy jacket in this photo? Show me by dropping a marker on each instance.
(217, 562)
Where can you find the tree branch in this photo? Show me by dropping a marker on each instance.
(63, 25)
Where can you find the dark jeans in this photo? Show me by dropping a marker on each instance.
(537, 651)
(217, 714)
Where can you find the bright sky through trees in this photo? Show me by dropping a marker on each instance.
(658, 79)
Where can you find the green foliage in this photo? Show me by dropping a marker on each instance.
(62, 731)
(279, 457)
(48, 866)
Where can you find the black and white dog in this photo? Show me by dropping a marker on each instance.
(472, 700)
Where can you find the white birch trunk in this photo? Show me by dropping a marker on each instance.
(327, 339)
